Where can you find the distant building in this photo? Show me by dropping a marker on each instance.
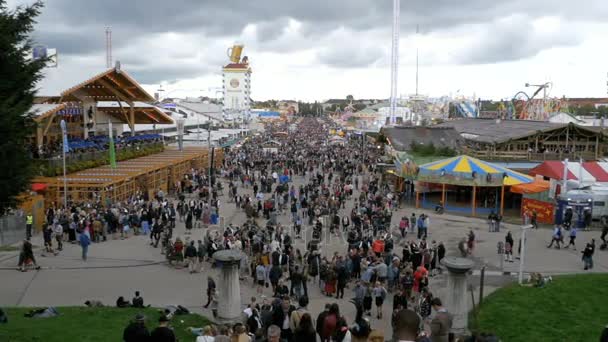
(237, 83)
(288, 107)
(529, 140)
(401, 138)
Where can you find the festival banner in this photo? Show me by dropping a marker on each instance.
(544, 210)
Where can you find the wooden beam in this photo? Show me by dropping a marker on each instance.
(48, 124)
(121, 97)
(132, 119)
(152, 117)
(474, 200)
(115, 91)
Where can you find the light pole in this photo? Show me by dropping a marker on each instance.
(523, 252)
(66, 148)
(210, 154)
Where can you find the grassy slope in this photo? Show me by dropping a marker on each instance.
(571, 308)
(87, 325)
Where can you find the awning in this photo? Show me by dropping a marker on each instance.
(539, 185)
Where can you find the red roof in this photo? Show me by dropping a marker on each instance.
(552, 169)
(596, 171)
(237, 66)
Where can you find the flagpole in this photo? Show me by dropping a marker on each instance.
(65, 148)
(111, 147)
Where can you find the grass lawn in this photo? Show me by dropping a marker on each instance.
(571, 308)
(9, 248)
(87, 324)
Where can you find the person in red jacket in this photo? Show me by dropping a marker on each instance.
(378, 247)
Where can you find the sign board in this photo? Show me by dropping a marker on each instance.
(41, 52)
(544, 210)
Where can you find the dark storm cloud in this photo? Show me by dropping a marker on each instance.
(228, 18)
(76, 27)
(513, 39)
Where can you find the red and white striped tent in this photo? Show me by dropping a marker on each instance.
(583, 174)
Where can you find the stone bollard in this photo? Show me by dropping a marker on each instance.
(457, 299)
(229, 301)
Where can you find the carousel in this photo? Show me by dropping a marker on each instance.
(465, 178)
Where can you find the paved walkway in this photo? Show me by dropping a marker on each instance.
(119, 267)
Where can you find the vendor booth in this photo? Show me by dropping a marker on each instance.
(536, 199)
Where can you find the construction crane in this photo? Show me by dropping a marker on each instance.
(394, 61)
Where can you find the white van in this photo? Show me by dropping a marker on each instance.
(600, 201)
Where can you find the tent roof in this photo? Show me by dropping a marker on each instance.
(458, 170)
(539, 185)
(552, 169)
(597, 170)
(108, 85)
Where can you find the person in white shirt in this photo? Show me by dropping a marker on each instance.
(58, 231)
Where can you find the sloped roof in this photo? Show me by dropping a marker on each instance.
(144, 112)
(551, 169)
(41, 111)
(402, 137)
(95, 87)
(497, 131)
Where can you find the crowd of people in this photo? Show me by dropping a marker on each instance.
(339, 199)
(283, 261)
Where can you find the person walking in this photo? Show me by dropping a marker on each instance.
(379, 294)
(588, 255)
(509, 247)
(210, 291)
(534, 220)
(85, 241)
(557, 237)
(192, 257)
(441, 323)
(58, 231)
(29, 221)
(572, 238)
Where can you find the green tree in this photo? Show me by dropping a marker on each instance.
(18, 77)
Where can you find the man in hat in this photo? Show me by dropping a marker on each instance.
(136, 331)
(162, 333)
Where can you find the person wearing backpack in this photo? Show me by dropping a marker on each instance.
(296, 315)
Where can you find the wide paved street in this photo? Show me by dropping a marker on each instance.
(120, 267)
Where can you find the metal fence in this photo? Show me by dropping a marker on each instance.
(12, 229)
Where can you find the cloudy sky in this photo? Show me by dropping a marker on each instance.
(320, 49)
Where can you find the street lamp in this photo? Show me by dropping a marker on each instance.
(523, 252)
